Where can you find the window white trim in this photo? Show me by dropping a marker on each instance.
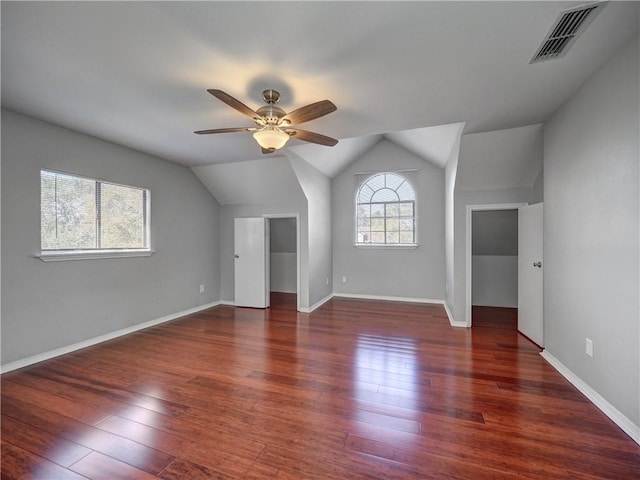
(59, 256)
(386, 246)
(52, 255)
(414, 201)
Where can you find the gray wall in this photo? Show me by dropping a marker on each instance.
(450, 172)
(52, 305)
(494, 271)
(229, 212)
(283, 266)
(283, 235)
(510, 161)
(317, 189)
(308, 197)
(412, 273)
(495, 232)
(494, 281)
(464, 198)
(591, 238)
(537, 192)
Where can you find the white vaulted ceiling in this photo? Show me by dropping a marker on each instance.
(251, 181)
(508, 158)
(136, 73)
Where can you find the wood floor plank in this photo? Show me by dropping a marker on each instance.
(105, 391)
(102, 467)
(216, 440)
(437, 464)
(120, 448)
(358, 389)
(46, 399)
(181, 468)
(92, 400)
(42, 443)
(200, 446)
(19, 464)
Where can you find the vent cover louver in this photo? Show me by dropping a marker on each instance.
(569, 25)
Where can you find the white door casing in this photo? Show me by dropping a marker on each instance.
(251, 257)
(530, 276)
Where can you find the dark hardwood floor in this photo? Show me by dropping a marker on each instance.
(358, 389)
(494, 317)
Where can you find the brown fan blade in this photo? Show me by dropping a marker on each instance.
(233, 103)
(309, 112)
(312, 137)
(268, 150)
(225, 130)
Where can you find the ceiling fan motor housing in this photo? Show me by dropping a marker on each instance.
(271, 114)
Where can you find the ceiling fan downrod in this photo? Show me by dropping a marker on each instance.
(271, 96)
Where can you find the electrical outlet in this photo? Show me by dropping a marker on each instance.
(201, 288)
(327, 281)
(344, 279)
(589, 347)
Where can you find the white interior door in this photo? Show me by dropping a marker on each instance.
(530, 288)
(251, 247)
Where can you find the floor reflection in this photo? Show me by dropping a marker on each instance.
(389, 362)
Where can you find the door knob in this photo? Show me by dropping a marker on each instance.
(537, 264)
(236, 256)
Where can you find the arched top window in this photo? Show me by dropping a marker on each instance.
(386, 211)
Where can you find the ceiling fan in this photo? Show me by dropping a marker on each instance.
(274, 126)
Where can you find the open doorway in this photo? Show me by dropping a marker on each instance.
(284, 261)
(492, 265)
(494, 269)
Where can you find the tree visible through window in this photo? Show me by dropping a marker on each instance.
(80, 214)
(385, 211)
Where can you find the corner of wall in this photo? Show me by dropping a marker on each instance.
(451, 169)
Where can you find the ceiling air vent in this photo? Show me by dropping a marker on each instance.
(569, 25)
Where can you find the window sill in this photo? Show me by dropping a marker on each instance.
(64, 256)
(375, 246)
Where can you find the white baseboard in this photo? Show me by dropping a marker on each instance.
(25, 362)
(405, 299)
(317, 304)
(609, 410)
(387, 298)
(372, 297)
(452, 320)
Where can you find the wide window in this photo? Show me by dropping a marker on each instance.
(79, 214)
(385, 211)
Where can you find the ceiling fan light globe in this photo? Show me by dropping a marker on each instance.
(271, 138)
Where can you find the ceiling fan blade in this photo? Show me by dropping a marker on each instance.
(312, 137)
(224, 130)
(309, 112)
(268, 150)
(233, 103)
